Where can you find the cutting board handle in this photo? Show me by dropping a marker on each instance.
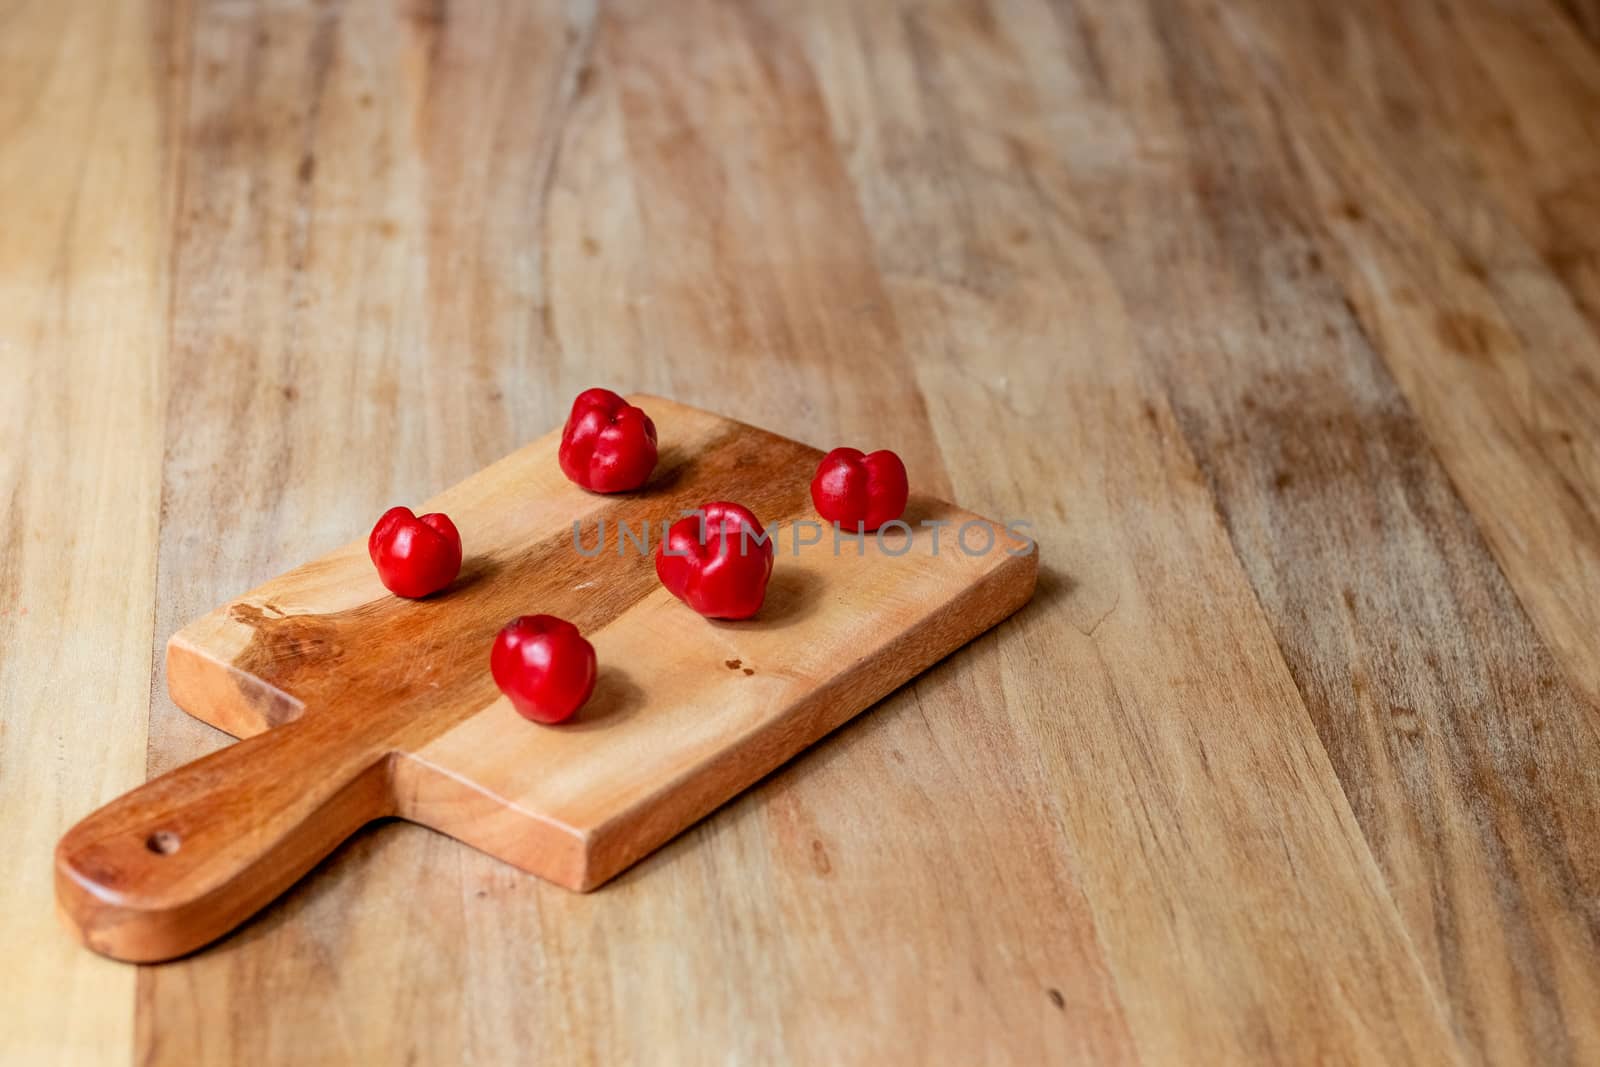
(183, 859)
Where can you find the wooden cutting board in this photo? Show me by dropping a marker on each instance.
(356, 704)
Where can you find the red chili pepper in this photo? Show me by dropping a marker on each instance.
(608, 445)
(860, 492)
(545, 666)
(717, 561)
(415, 556)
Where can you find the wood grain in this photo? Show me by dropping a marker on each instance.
(1277, 319)
(85, 158)
(373, 705)
(1422, 715)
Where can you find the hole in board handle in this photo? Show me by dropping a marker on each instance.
(163, 842)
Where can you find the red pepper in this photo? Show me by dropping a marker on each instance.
(860, 492)
(717, 561)
(415, 556)
(544, 665)
(608, 445)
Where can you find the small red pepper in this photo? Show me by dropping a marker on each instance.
(608, 445)
(415, 556)
(860, 492)
(717, 561)
(544, 665)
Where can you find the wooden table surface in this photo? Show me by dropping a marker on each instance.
(1279, 320)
